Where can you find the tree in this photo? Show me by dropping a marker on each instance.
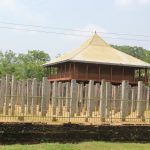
(23, 66)
(30, 64)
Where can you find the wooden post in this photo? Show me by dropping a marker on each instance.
(99, 72)
(103, 100)
(73, 94)
(54, 98)
(34, 97)
(2, 94)
(111, 72)
(13, 95)
(124, 100)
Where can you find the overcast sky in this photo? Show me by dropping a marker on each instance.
(117, 16)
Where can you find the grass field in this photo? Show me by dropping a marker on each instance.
(80, 146)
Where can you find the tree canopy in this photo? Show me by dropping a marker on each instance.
(23, 66)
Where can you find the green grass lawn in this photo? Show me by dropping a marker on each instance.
(80, 146)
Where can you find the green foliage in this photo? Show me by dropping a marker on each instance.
(23, 66)
(135, 51)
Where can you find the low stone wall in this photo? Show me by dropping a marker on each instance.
(34, 133)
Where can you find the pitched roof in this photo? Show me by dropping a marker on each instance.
(96, 50)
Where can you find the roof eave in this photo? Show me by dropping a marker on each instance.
(92, 62)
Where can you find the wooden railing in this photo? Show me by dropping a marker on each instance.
(96, 77)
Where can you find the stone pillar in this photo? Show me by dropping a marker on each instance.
(60, 100)
(103, 100)
(34, 97)
(2, 94)
(124, 100)
(108, 99)
(23, 96)
(140, 110)
(67, 96)
(73, 94)
(80, 99)
(54, 98)
(90, 102)
(44, 97)
(133, 99)
(148, 99)
(85, 99)
(7, 94)
(13, 95)
(29, 94)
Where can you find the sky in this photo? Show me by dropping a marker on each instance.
(104, 16)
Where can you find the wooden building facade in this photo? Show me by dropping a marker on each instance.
(96, 60)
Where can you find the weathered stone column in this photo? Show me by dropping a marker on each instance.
(44, 97)
(2, 94)
(67, 96)
(23, 96)
(103, 100)
(29, 94)
(60, 100)
(148, 99)
(73, 94)
(7, 94)
(13, 95)
(108, 99)
(133, 99)
(34, 97)
(124, 100)
(140, 110)
(54, 98)
(90, 102)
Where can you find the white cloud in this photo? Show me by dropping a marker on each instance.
(123, 3)
(7, 4)
(127, 3)
(144, 2)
